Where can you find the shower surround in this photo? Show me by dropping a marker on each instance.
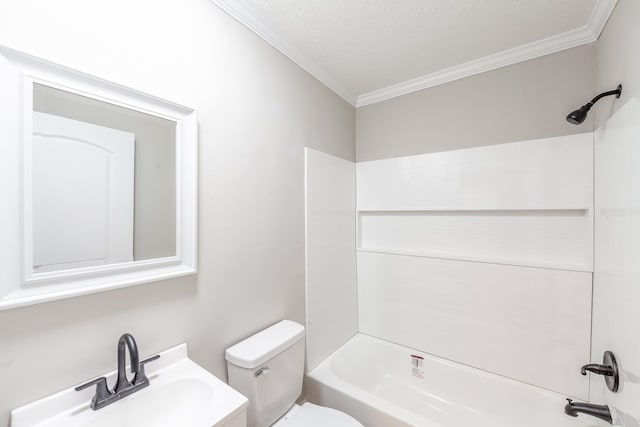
(480, 259)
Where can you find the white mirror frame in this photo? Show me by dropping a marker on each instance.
(18, 285)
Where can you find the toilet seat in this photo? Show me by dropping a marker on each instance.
(310, 415)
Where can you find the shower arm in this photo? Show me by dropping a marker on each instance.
(616, 92)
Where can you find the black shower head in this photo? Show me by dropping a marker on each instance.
(578, 116)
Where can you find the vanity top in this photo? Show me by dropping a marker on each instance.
(180, 393)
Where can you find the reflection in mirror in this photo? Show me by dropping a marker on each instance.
(103, 183)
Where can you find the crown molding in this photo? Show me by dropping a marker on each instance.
(250, 18)
(589, 33)
(600, 15)
(586, 34)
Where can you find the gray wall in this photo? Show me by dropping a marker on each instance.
(619, 58)
(524, 101)
(257, 110)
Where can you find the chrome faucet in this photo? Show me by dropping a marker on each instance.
(123, 386)
(599, 411)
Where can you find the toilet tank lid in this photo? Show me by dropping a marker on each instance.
(258, 348)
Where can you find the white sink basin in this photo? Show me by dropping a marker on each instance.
(181, 393)
(181, 402)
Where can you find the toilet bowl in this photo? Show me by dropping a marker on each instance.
(268, 369)
(310, 415)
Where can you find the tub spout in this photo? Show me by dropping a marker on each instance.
(598, 411)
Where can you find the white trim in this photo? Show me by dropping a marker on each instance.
(586, 34)
(589, 33)
(600, 15)
(485, 260)
(568, 40)
(250, 18)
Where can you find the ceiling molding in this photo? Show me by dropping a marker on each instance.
(584, 35)
(250, 18)
(247, 16)
(600, 15)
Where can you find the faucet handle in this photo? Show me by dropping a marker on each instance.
(597, 369)
(141, 377)
(609, 369)
(102, 390)
(98, 381)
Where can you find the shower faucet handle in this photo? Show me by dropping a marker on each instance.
(597, 369)
(609, 369)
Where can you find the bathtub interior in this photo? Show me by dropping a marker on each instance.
(376, 377)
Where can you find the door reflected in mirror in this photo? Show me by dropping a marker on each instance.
(103, 183)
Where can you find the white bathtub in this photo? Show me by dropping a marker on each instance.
(373, 381)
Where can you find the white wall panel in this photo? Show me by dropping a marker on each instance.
(616, 287)
(332, 297)
(483, 256)
(553, 173)
(530, 324)
(548, 238)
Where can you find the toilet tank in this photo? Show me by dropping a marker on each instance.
(268, 368)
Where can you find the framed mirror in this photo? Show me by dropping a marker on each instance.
(99, 184)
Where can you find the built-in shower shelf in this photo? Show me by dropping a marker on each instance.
(545, 238)
(486, 260)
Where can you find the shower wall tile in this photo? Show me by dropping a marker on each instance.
(332, 297)
(529, 324)
(553, 173)
(616, 282)
(483, 256)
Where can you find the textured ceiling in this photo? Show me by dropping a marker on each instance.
(367, 45)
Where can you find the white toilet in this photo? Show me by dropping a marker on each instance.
(268, 368)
